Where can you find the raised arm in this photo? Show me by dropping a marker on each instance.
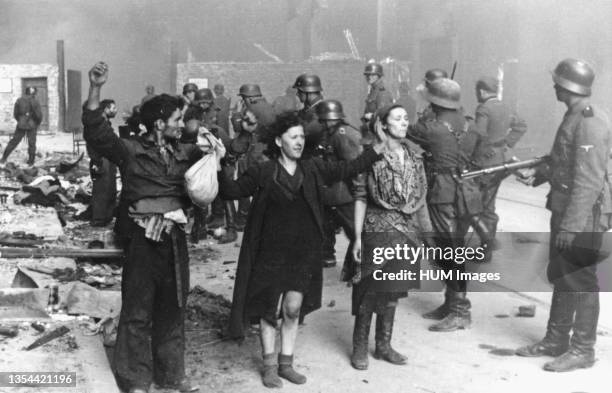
(96, 130)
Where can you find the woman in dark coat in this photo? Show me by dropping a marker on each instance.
(279, 268)
(390, 210)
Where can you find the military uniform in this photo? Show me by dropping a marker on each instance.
(499, 128)
(313, 130)
(340, 143)
(579, 198)
(580, 203)
(449, 141)
(378, 97)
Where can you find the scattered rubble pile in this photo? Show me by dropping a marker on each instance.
(207, 311)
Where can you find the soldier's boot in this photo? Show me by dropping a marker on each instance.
(581, 352)
(269, 376)
(560, 321)
(361, 333)
(217, 218)
(286, 370)
(384, 331)
(458, 317)
(230, 234)
(441, 312)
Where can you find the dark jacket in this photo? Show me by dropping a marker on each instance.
(223, 103)
(341, 143)
(377, 98)
(144, 172)
(499, 128)
(577, 168)
(27, 112)
(449, 141)
(257, 182)
(313, 129)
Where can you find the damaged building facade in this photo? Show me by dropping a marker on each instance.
(15, 78)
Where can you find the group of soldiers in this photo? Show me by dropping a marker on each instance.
(452, 142)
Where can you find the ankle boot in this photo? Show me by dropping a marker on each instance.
(216, 218)
(361, 333)
(560, 321)
(581, 353)
(441, 312)
(285, 370)
(459, 316)
(384, 331)
(269, 375)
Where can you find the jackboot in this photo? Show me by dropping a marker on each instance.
(560, 321)
(581, 353)
(269, 376)
(231, 234)
(441, 312)
(285, 370)
(361, 333)
(384, 331)
(458, 317)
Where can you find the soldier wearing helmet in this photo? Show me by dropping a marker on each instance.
(423, 112)
(224, 104)
(500, 129)
(579, 200)
(339, 142)
(28, 114)
(309, 93)
(378, 97)
(253, 100)
(450, 141)
(189, 92)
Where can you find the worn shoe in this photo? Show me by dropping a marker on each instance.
(438, 314)
(286, 371)
(453, 321)
(542, 348)
(269, 375)
(571, 360)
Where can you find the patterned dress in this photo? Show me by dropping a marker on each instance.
(395, 190)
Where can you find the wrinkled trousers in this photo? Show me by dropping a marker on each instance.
(151, 333)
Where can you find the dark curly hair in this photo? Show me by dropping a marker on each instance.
(283, 122)
(159, 107)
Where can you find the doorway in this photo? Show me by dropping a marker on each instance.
(42, 96)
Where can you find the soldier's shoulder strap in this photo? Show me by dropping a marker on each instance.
(588, 111)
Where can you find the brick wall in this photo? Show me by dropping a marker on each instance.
(342, 80)
(15, 72)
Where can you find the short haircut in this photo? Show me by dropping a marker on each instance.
(107, 103)
(160, 107)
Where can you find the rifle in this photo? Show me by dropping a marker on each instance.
(454, 69)
(510, 166)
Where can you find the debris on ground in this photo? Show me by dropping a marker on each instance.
(527, 311)
(52, 335)
(207, 311)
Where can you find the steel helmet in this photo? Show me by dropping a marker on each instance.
(329, 110)
(443, 92)
(373, 69)
(574, 75)
(190, 87)
(433, 74)
(249, 90)
(203, 95)
(308, 83)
